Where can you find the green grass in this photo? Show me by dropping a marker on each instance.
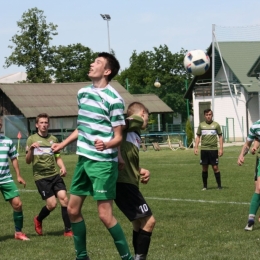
(191, 224)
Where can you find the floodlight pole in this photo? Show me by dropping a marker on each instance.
(107, 18)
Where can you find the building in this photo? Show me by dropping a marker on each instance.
(237, 107)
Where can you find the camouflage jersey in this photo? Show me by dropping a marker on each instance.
(43, 163)
(130, 151)
(209, 135)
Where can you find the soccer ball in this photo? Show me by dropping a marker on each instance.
(196, 62)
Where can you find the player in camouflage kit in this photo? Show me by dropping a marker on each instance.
(208, 133)
(128, 196)
(99, 133)
(47, 179)
(253, 135)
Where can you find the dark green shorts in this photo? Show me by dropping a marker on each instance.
(95, 178)
(9, 190)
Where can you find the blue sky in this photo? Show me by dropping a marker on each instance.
(135, 24)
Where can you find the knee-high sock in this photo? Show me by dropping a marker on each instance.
(120, 242)
(18, 220)
(143, 242)
(65, 217)
(43, 214)
(254, 205)
(205, 179)
(79, 236)
(218, 178)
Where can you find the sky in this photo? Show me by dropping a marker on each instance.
(135, 25)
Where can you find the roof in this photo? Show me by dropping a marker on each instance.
(59, 99)
(15, 77)
(240, 57)
(255, 69)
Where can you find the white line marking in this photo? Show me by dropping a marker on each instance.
(201, 201)
(174, 199)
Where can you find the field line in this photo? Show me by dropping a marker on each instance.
(174, 199)
(199, 201)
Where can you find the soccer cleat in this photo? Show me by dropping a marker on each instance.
(37, 226)
(140, 257)
(204, 188)
(68, 234)
(250, 224)
(20, 236)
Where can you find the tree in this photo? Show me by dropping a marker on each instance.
(167, 67)
(71, 63)
(32, 46)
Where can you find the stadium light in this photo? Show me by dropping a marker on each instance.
(107, 18)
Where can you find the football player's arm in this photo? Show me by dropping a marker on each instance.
(197, 141)
(255, 146)
(56, 147)
(244, 152)
(60, 163)
(29, 151)
(220, 138)
(114, 142)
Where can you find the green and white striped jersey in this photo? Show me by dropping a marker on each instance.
(254, 131)
(209, 135)
(100, 109)
(7, 150)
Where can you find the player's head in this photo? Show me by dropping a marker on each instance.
(42, 115)
(208, 114)
(137, 108)
(111, 64)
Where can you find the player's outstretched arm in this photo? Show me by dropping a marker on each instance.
(243, 153)
(255, 146)
(145, 175)
(71, 138)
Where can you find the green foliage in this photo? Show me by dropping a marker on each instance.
(71, 63)
(189, 132)
(191, 224)
(164, 65)
(32, 46)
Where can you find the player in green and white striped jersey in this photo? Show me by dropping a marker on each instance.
(7, 185)
(98, 135)
(253, 135)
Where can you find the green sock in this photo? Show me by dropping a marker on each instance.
(120, 242)
(79, 236)
(18, 220)
(254, 205)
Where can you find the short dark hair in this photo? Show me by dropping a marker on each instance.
(42, 115)
(112, 64)
(208, 110)
(135, 107)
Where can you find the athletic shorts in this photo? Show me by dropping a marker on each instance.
(95, 178)
(257, 168)
(49, 186)
(209, 157)
(9, 190)
(131, 202)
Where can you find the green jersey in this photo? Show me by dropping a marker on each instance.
(100, 109)
(43, 163)
(7, 150)
(130, 151)
(254, 133)
(209, 135)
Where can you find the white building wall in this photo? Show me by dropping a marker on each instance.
(223, 109)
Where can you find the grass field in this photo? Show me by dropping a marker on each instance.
(191, 224)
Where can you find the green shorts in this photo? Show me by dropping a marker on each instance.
(95, 178)
(9, 190)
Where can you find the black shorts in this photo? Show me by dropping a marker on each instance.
(49, 186)
(131, 202)
(209, 157)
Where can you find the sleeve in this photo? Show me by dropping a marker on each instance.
(117, 112)
(135, 123)
(199, 130)
(219, 131)
(28, 143)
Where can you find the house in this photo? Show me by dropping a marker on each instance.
(21, 103)
(235, 102)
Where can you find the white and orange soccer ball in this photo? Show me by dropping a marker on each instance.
(196, 62)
